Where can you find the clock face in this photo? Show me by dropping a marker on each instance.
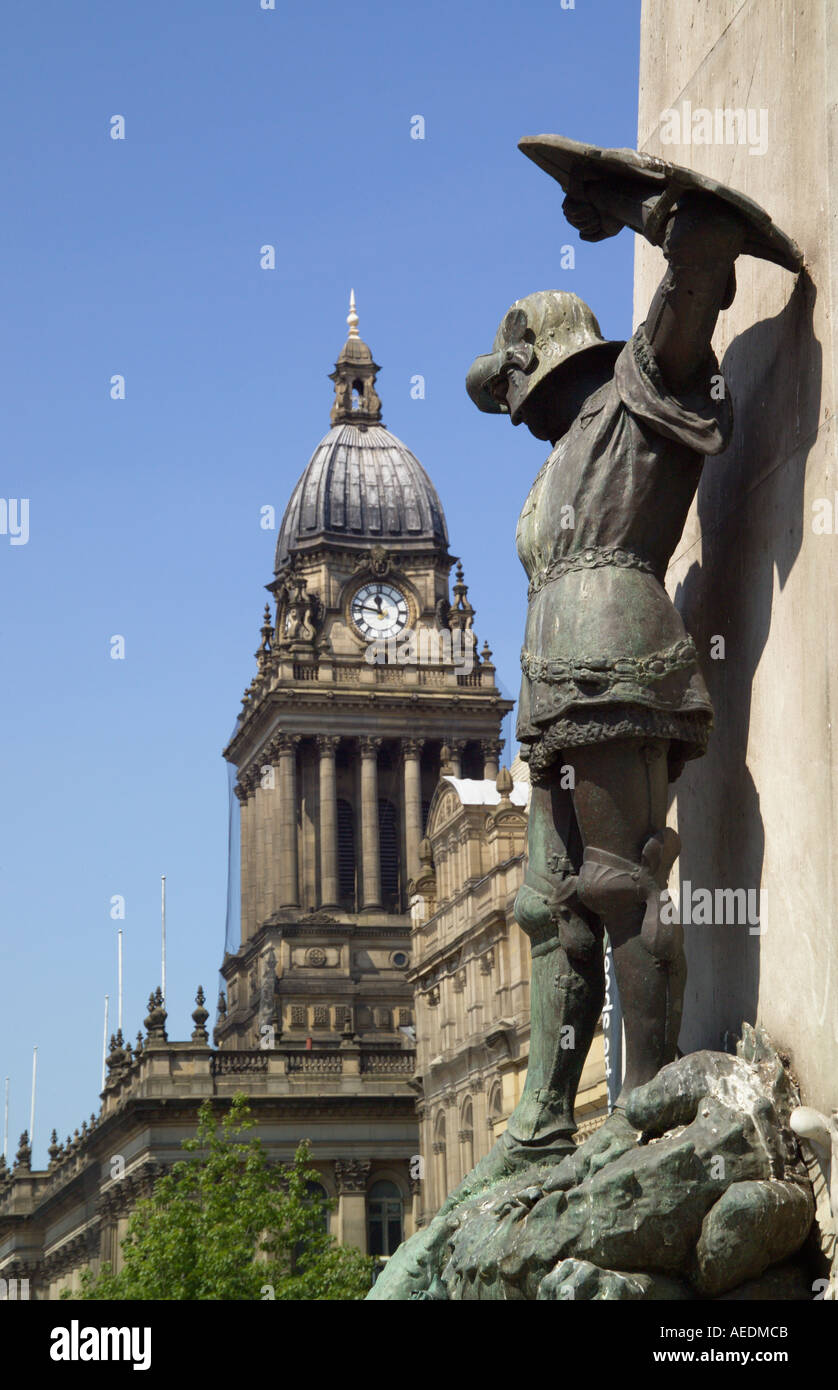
(379, 610)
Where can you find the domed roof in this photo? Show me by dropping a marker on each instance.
(362, 485)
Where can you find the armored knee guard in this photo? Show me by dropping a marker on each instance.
(544, 910)
(626, 895)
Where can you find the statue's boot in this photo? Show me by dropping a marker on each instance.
(566, 996)
(648, 949)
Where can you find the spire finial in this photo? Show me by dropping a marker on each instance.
(352, 317)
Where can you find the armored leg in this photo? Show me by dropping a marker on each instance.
(567, 989)
(567, 983)
(620, 798)
(648, 950)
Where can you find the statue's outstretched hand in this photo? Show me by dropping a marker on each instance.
(590, 223)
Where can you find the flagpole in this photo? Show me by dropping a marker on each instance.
(6, 1122)
(119, 974)
(32, 1106)
(163, 937)
(105, 1041)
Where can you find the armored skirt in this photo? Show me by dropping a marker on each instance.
(606, 654)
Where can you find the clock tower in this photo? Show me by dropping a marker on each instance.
(369, 687)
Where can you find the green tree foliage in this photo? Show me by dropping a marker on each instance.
(225, 1223)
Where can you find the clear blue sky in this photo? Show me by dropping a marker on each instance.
(141, 257)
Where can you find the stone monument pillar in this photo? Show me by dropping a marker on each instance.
(750, 101)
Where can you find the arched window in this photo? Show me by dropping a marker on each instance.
(346, 854)
(388, 838)
(384, 1219)
(495, 1105)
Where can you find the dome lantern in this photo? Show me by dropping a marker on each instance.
(356, 400)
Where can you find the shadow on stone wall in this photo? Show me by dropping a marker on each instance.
(750, 506)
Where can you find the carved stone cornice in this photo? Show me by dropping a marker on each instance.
(124, 1193)
(78, 1250)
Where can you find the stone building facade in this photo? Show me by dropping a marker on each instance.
(368, 680)
(359, 1114)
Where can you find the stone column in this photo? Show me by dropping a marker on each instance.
(289, 875)
(351, 1178)
(254, 829)
(244, 875)
(370, 849)
(329, 884)
(274, 833)
(411, 750)
(265, 796)
(492, 748)
(455, 748)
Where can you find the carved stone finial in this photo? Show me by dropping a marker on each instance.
(23, 1158)
(425, 852)
(155, 1023)
(504, 783)
(352, 316)
(54, 1149)
(200, 1014)
(461, 612)
(117, 1056)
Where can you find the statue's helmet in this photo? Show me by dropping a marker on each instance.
(538, 334)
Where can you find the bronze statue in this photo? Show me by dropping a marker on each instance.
(612, 698)
(612, 702)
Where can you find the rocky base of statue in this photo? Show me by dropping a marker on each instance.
(697, 1192)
